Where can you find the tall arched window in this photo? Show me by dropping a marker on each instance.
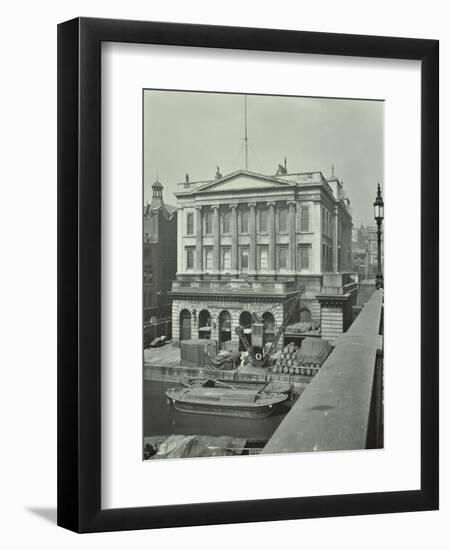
(204, 324)
(269, 326)
(224, 327)
(185, 325)
(305, 315)
(245, 321)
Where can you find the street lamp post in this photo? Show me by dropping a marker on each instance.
(378, 206)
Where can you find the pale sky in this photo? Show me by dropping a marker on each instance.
(193, 132)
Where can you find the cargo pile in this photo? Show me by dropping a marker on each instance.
(301, 327)
(304, 360)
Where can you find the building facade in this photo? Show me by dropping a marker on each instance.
(365, 250)
(160, 265)
(247, 242)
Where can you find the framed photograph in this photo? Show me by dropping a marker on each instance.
(247, 275)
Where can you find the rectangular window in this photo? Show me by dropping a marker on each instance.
(263, 255)
(243, 259)
(226, 259)
(226, 222)
(263, 221)
(189, 259)
(282, 220)
(304, 219)
(190, 224)
(208, 258)
(244, 221)
(208, 223)
(282, 257)
(303, 258)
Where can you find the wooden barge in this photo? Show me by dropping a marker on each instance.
(225, 400)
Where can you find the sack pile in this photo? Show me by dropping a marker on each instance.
(304, 326)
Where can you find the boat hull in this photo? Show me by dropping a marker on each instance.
(262, 411)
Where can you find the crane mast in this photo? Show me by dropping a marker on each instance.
(260, 359)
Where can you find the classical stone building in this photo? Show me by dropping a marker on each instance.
(247, 242)
(160, 264)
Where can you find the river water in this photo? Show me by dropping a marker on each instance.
(162, 419)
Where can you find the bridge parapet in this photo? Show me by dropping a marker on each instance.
(341, 409)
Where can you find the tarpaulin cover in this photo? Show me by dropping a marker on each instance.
(314, 350)
(226, 360)
(194, 353)
(182, 446)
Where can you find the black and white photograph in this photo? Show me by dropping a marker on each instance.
(263, 232)
(226, 251)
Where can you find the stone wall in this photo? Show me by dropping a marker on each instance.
(336, 315)
(332, 323)
(235, 308)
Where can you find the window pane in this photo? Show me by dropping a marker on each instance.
(304, 257)
(244, 259)
(208, 258)
(190, 224)
(208, 223)
(189, 259)
(263, 259)
(304, 224)
(244, 221)
(282, 220)
(226, 220)
(282, 258)
(226, 259)
(263, 221)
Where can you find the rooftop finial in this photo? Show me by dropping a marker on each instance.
(218, 174)
(332, 170)
(282, 169)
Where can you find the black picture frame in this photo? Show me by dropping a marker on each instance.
(79, 274)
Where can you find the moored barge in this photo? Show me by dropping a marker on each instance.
(225, 401)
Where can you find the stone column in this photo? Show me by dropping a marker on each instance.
(216, 238)
(336, 240)
(234, 239)
(252, 227)
(292, 239)
(272, 237)
(199, 240)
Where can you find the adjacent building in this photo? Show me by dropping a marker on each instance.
(365, 250)
(246, 242)
(160, 264)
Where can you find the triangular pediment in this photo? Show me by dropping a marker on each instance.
(242, 180)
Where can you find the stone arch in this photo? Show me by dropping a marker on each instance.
(305, 315)
(185, 325)
(224, 327)
(204, 324)
(245, 321)
(269, 326)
